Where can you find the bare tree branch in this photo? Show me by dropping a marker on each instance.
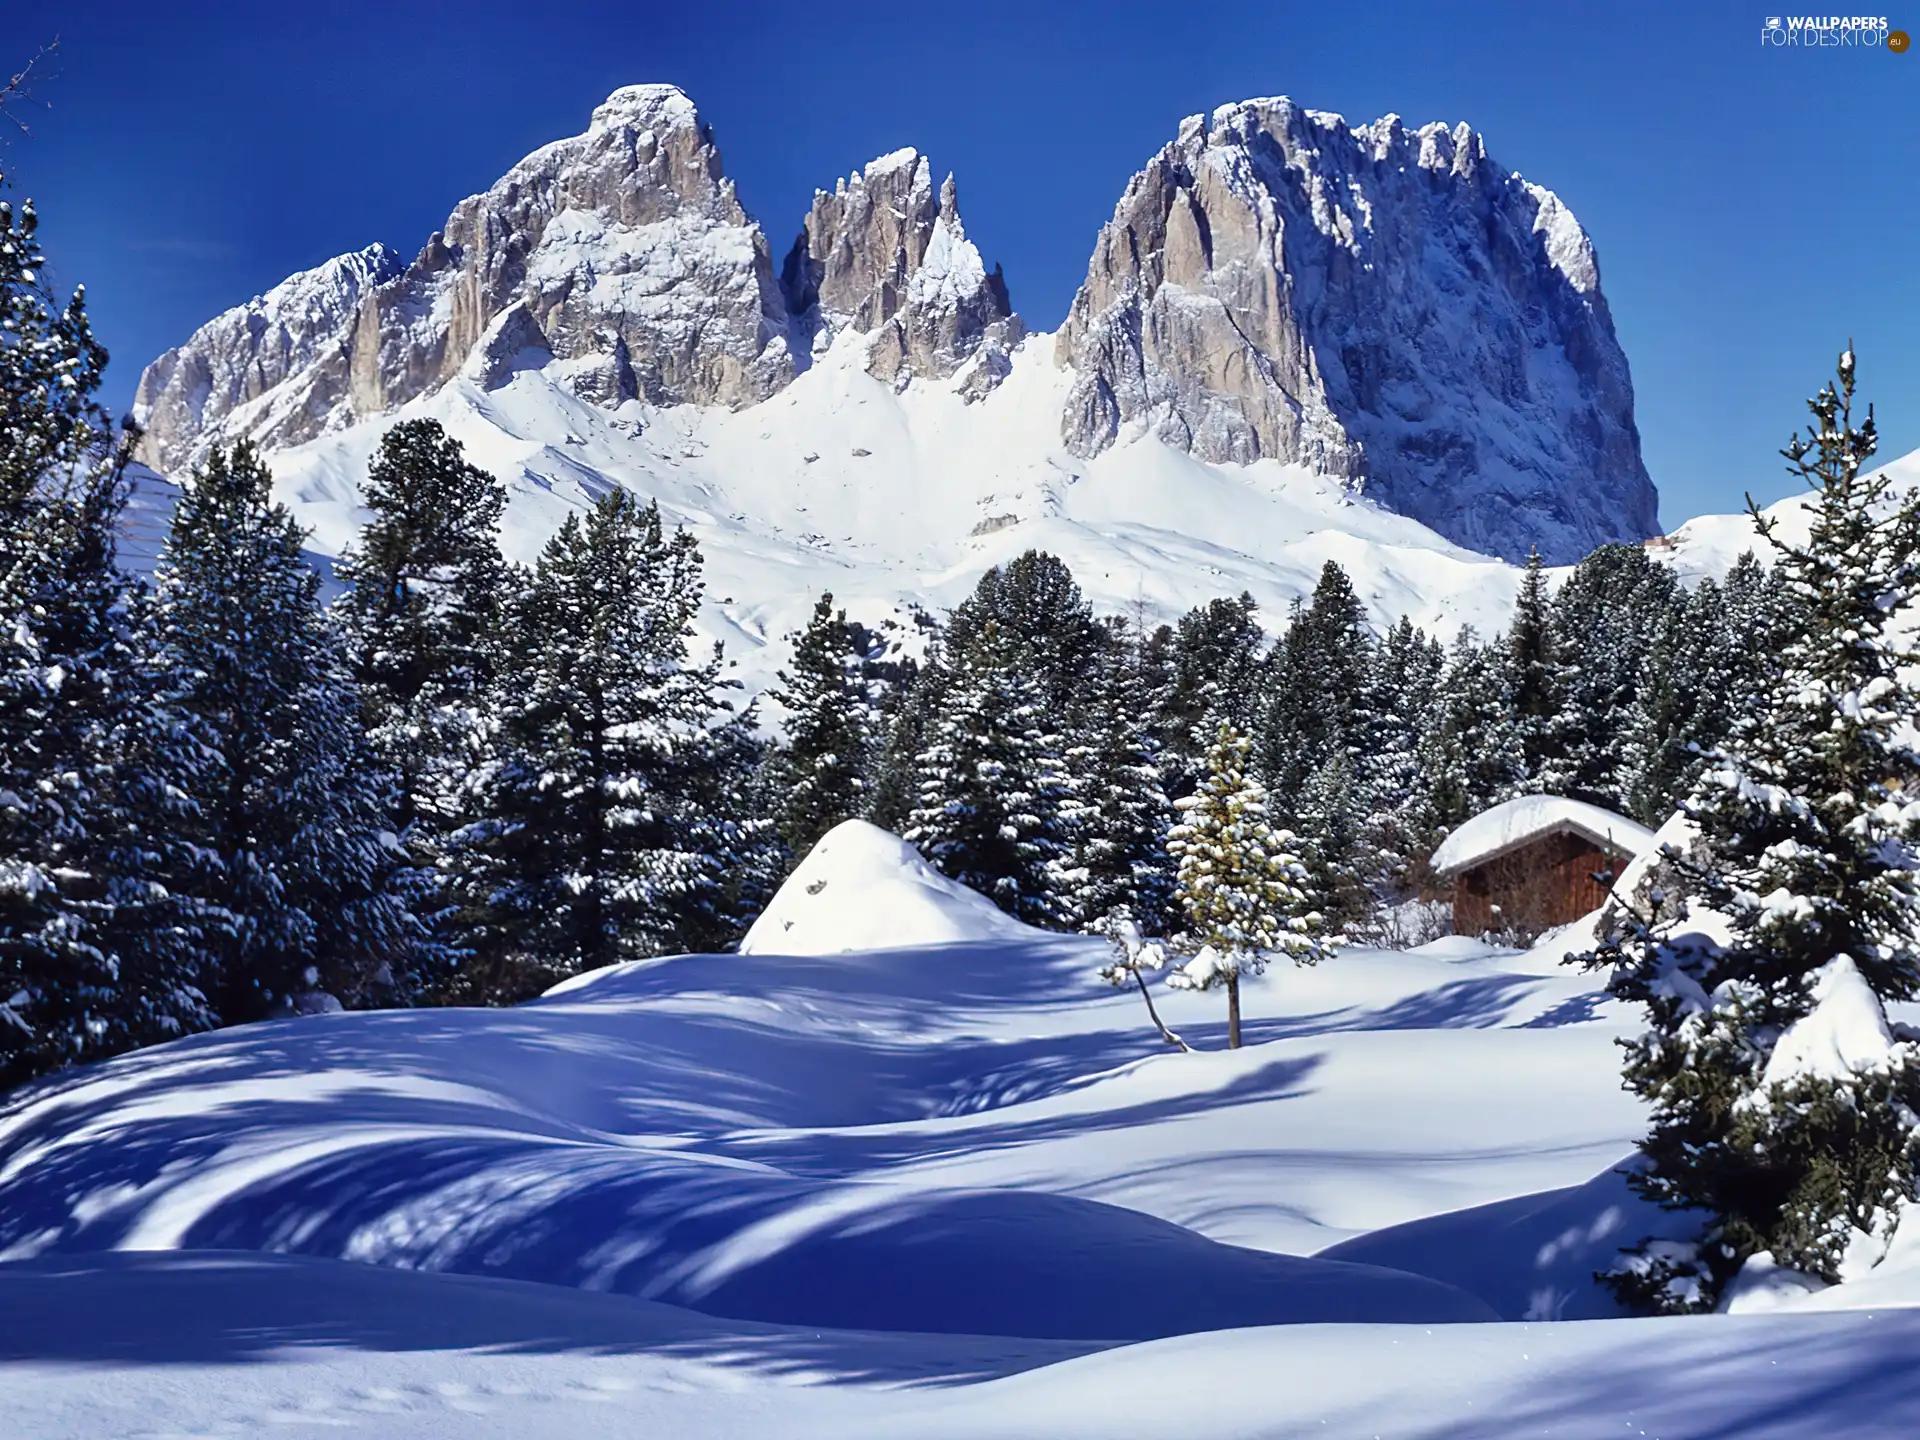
(16, 92)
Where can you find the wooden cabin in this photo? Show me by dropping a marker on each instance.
(1534, 862)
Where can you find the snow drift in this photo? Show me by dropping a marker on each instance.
(861, 888)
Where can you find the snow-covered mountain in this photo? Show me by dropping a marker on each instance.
(1375, 302)
(1421, 362)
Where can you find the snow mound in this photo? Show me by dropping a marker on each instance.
(861, 888)
(1534, 1257)
(1844, 1035)
(1764, 1285)
(1492, 833)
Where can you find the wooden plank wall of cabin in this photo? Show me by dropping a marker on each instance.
(1533, 888)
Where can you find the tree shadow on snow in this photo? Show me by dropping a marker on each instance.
(1722, 1378)
(213, 1307)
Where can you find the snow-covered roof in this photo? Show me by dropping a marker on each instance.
(1508, 826)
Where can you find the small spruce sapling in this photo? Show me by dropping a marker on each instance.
(1241, 885)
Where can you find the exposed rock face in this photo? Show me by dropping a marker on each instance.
(1377, 303)
(623, 254)
(881, 255)
(277, 365)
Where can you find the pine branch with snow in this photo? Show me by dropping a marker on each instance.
(1765, 949)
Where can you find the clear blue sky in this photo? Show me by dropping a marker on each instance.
(1751, 207)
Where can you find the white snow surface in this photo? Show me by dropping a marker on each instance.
(1514, 822)
(1844, 1036)
(898, 900)
(897, 500)
(960, 1190)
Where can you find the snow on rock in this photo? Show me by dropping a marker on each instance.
(274, 369)
(607, 313)
(1845, 1034)
(1379, 303)
(1506, 826)
(636, 265)
(861, 888)
(897, 500)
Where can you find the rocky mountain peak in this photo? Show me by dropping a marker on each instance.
(622, 255)
(1377, 303)
(883, 254)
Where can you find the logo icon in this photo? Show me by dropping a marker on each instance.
(1898, 41)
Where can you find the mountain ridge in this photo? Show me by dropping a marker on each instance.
(608, 313)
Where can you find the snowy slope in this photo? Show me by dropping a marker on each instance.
(895, 499)
(1709, 544)
(728, 1195)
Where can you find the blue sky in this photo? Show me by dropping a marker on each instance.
(1751, 207)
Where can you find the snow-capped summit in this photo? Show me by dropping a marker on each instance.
(1284, 309)
(656, 107)
(1378, 303)
(622, 255)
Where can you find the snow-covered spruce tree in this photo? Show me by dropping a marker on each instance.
(1607, 617)
(893, 785)
(1039, 620)
(993, 786)
(1216, 669)
(1115, 810)
(428, 590)
(1537, 677)
(1317, 689)
(1471, 754)
(99, 948)
(1783, 1106)
(1711, 665)
(1398, 825)
(1241, 887)
(294, 810)
(819, 772)
(599, 839)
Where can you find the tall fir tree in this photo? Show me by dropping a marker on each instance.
(820, 769)
(428, 590)
(993, 788)
(1241, 888)
(101, 947)
(1399, 823)
(610, 808)
(1608, 616)
(1215, 664)
(1317, 689)
(1792, 908)
(1703, 676)
(1471, 754)
(1115, 813)
(294, 808)
(1537, 675)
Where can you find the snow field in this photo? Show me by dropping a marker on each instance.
(781, 1194)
